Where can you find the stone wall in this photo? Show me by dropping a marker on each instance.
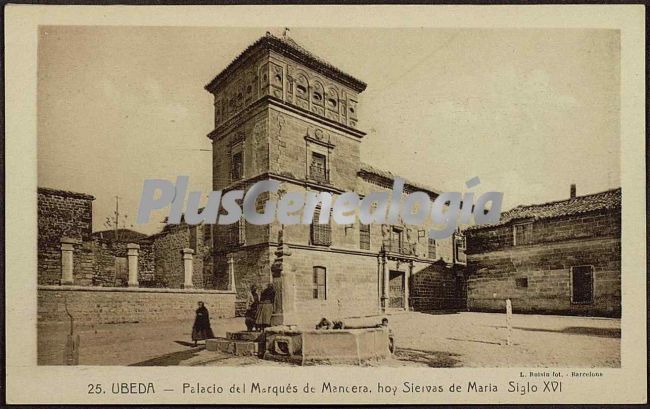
(251, 265)
(438, 287)
(61, 214)
(97, 305)
(352, 286)
(547, 270)
(601, 223)
(168, 255)
(537, 276)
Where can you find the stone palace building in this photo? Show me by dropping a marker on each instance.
(282, 113)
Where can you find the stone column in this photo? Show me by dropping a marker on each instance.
(67, 260)
(132, 250)
(407, 276)
(188, 266)
(385, 292)
(231, 273)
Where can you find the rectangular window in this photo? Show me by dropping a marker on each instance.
(321, 234)
(320, 283)
(318, 167)
(432, 249)
(237, 168)
(397, 240)
(582, 285)
(364, 236)
(523, 234)
(521, 282)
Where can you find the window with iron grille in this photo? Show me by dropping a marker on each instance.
(582, 284)
(432, 249)
(318, 167)
(320, 283)
(521, 282)
(397, 240)
(523, 234)
(321, 234)
(364, 237)
(237, 168)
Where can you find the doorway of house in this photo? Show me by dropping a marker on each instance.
(396, 289)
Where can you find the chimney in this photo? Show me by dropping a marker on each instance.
(573, 190)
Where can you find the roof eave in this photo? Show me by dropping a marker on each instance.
(272, 43)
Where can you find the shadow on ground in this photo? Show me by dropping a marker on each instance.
(442, 312)
(589, 331)
(175, 358)
(434, 359)
(474, 340)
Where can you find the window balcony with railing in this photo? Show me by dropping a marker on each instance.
(398, 247)
(319, 174)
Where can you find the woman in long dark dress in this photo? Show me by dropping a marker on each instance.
(252, 303)
(265, 309)
(201, 329)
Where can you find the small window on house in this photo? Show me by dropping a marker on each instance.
(521, 282)
(318, 167)
(331, 103)
(321, 234)
(237, 169)
(523, 234)
(582, 284)
(364, 237)
(432, 249)
(320, 283)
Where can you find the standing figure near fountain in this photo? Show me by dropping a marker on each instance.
(201, 329)
(265, 310)
(252, 305)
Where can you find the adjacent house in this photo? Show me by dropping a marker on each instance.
(561, 257)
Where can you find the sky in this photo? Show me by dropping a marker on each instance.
(528, 111)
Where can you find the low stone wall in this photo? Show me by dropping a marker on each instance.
(102, 305)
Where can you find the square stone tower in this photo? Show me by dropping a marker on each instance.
(281, 113)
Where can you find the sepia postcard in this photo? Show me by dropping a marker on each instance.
(325, 204)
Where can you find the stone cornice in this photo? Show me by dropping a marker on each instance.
(270, 175)
(245, 114)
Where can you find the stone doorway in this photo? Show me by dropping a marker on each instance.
(396, 290)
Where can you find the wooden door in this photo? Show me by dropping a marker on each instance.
(396, 289)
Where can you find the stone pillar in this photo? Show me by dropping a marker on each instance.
(132, 251)
(384, 294)
(231, 273)
(407, 292)
(67, 260)
(188, 267)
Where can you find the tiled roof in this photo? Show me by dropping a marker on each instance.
(609, 199)
(123, 235)
(291, 48)
(390, 177)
